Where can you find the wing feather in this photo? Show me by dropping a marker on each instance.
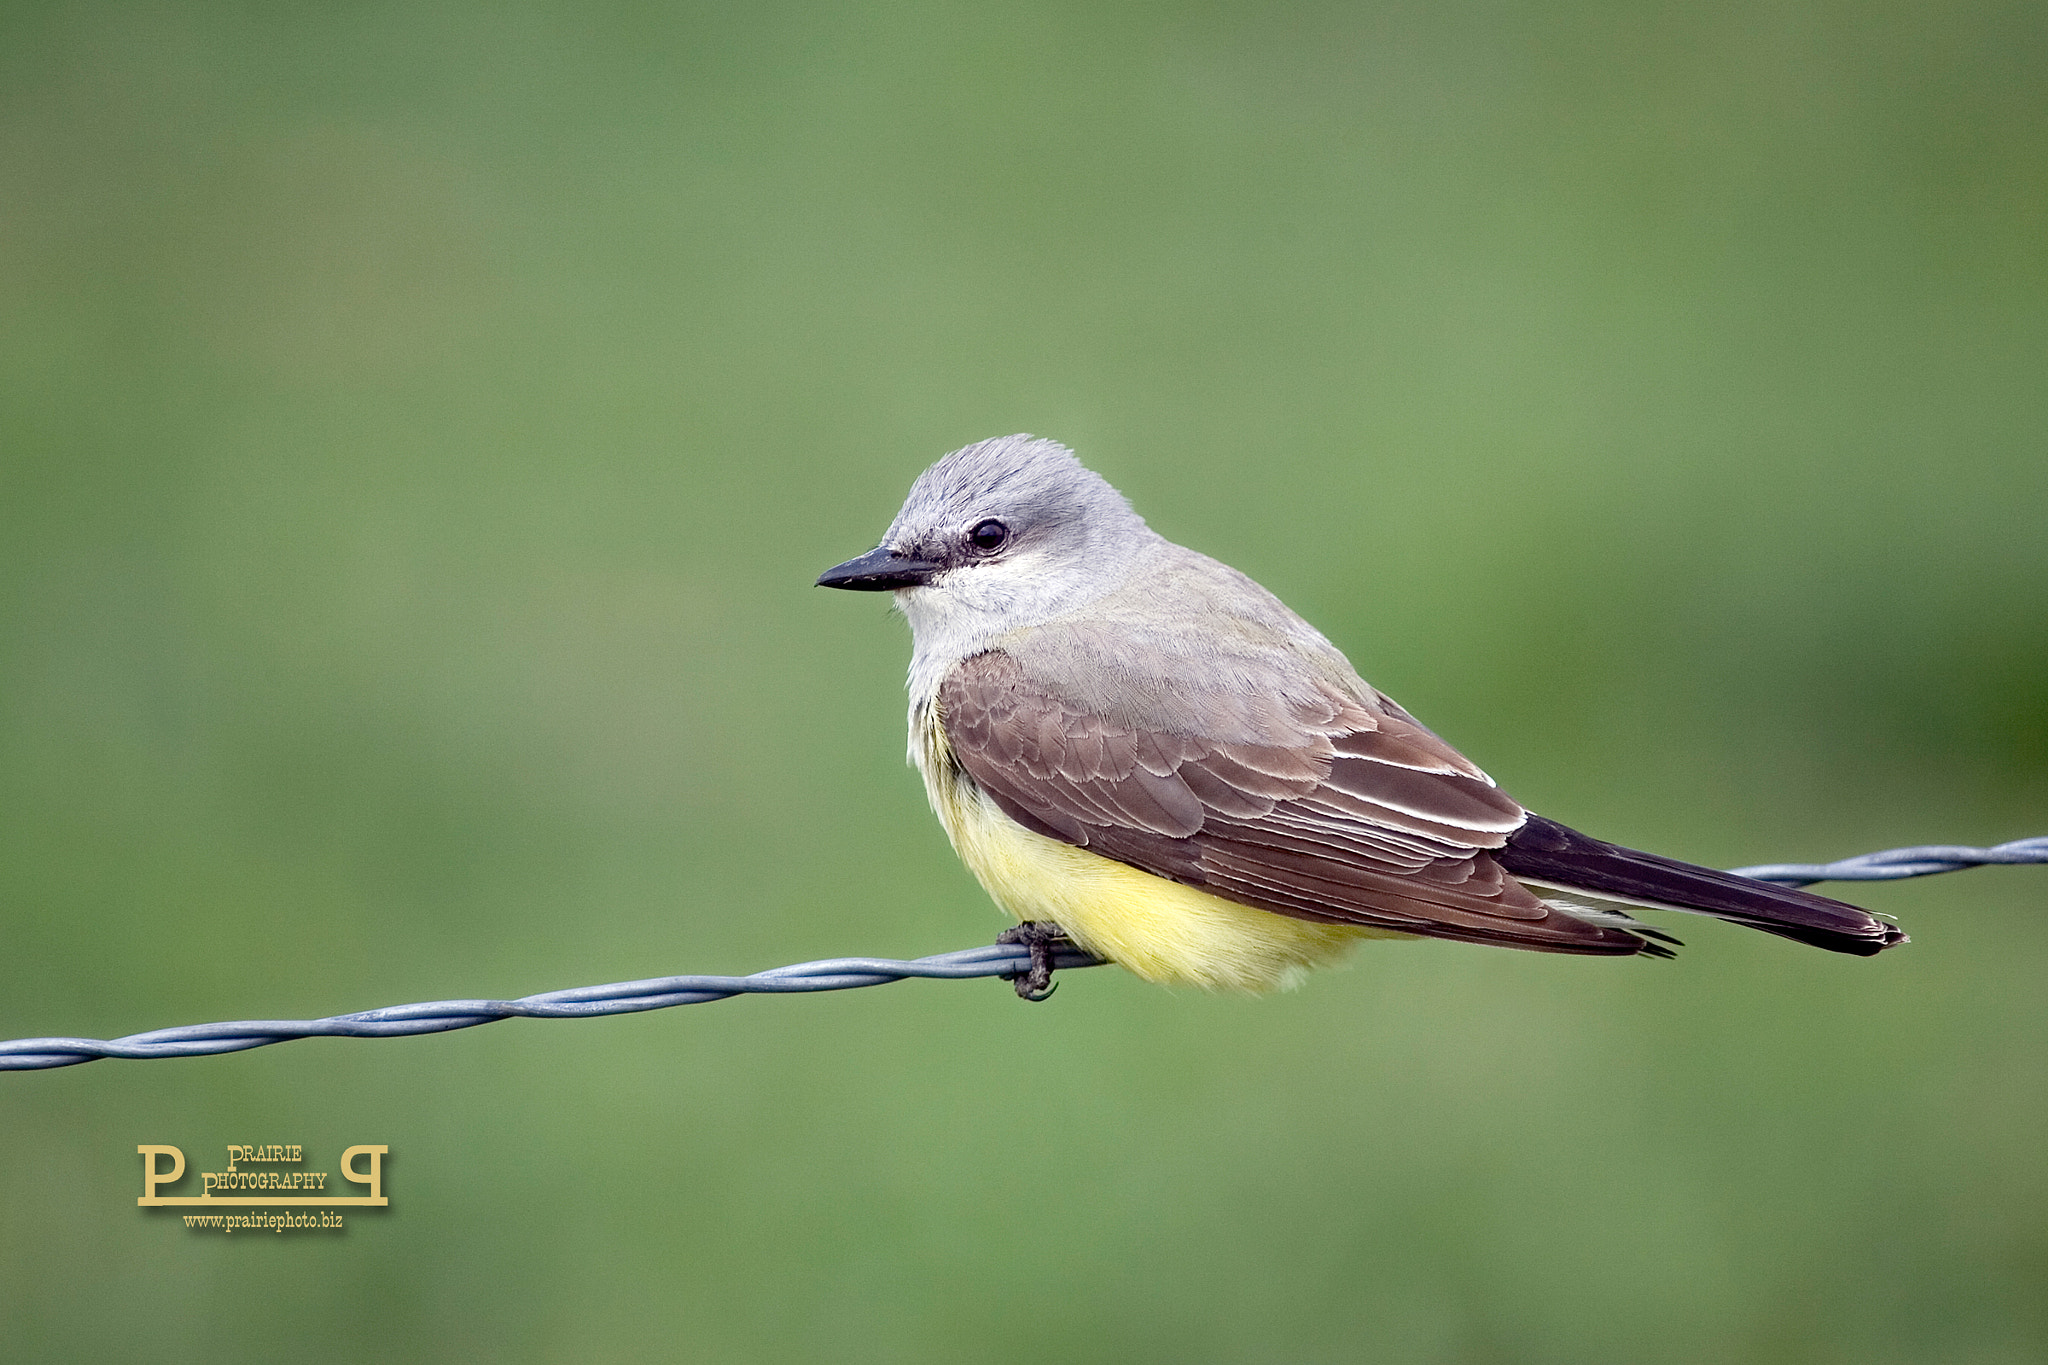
(1324, 808)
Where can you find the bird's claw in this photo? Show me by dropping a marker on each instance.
(1042, 938)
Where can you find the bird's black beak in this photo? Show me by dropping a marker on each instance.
(879, 570)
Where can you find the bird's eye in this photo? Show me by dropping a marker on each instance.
(989, 536)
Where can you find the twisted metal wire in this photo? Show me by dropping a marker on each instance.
(836, 974)
(1895, 863)
(580, 1002)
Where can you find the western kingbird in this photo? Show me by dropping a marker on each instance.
(1142, 750)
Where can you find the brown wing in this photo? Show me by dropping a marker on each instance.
(1361, 817)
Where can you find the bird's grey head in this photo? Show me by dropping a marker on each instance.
(1001, 534)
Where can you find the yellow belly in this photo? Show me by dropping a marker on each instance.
(1159, 929)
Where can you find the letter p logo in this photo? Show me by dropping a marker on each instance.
(374, 1178)
(152, 1177)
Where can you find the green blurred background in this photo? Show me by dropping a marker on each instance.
(420, 426)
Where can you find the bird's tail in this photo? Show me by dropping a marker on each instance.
(1548, 854)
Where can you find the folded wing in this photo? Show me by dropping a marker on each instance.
(1353, 813)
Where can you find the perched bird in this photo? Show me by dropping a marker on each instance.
(1139, 749)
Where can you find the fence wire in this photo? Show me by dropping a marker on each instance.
(836, 974)
(1895, 863)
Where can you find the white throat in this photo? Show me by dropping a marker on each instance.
(970, 609)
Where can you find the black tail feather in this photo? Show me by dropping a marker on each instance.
(1549, 853)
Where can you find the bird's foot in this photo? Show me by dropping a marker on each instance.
(1043, 938)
